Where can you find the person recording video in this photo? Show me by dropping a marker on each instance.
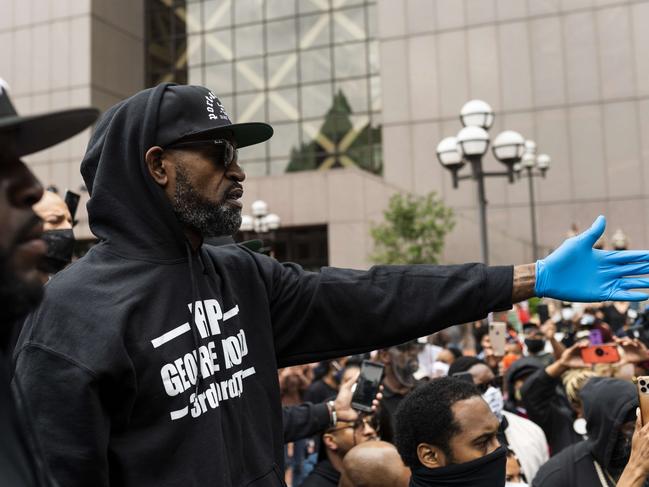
(170, 347)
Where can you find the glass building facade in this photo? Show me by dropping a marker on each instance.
(308, 67)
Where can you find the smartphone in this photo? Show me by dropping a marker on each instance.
(497, 336)
(544, 313)
(72, 202)
(367, 386)
(642, 384)
(600, 354)
(595, 337)
(465, 376)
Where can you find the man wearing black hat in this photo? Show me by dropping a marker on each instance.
(162, 370)
(21, 250)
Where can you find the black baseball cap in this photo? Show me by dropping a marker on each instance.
(190, 112)
(33, 133)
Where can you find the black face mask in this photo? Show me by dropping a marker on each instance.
(488, 471)
(60, 245)
(534, 345)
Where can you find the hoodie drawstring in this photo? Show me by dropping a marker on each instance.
(192, 324)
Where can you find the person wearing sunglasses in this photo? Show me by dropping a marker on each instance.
(165, 348)
(334, 445)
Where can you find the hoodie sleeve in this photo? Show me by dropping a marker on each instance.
(539, 396)
(341, 312)
(304, 420)
(69, 409)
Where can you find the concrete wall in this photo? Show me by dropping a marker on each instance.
(70, 53)
(347, 200)
(570, 74)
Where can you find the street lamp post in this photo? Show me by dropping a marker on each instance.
(261, 221)
(470, 145)
(529, 162)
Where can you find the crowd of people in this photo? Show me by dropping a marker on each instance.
(168, 355)
(542, 415)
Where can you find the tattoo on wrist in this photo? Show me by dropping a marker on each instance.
(524, 281)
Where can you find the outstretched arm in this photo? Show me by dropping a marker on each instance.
(524, 281)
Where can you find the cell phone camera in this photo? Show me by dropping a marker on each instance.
(643, 389)
(599, 352)
(643, 382)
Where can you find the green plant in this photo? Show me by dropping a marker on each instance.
(413, 231)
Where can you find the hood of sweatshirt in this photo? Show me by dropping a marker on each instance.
(607, 402)
(521, 368)
(127, 210)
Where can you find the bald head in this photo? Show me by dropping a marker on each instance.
(375, 464)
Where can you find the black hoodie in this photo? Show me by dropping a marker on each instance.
(607, 403)
(546, 404)
(109, 362)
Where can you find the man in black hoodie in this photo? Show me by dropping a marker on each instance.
(610, 412)
(545, 401)
(152, 360)
(21, 252)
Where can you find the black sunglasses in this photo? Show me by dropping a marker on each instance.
(363, 419)
(229, 151)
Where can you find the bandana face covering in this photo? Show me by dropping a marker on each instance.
(488, 471)
(60, 245)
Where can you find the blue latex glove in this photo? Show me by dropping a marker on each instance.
(578, 272)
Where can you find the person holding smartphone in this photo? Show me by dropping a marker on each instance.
(168, 348)
(598, 461)
(636, 471)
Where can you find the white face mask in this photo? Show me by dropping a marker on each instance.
(494, 398)
(440, 369)
(567, 313)
(516, 484)
(579, 425)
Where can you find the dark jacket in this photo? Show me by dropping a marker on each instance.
(19, 464)
(323, 475)
(547, 405)
(304, 420)
(149, 364)
(607, 403)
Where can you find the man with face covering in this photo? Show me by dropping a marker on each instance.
(57, 228)
(610, 413)
(401, 363)
(21, 250)
(521, 435)
(154, 346)
(448, 436)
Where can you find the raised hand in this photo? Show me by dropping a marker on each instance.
(634, 350)
(343, 402)
(578, 272)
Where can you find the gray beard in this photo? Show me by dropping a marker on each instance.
(209, 219)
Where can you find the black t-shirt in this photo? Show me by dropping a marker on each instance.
(323, 475)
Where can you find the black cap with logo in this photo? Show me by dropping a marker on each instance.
(33, 133)
(189, 112)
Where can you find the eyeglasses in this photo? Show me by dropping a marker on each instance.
(496, 382)
(229, 151)
(360, 422)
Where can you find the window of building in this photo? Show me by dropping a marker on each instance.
(307, 66)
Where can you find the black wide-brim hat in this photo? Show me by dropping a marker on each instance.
(190, 112)
(33, 133)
